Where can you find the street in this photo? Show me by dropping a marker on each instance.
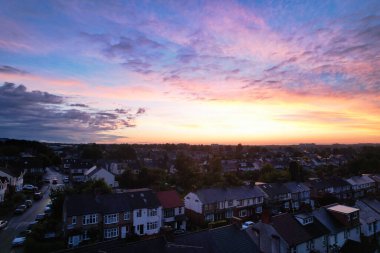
(19, 223)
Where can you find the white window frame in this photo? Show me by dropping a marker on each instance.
(90, 219)
(111, 218)
(243, 213)
(127, 215)
(229, 214)
(152, 212)
(111, 233)
(73, 220)
(138, 213)
(259, 209)
(152, 225)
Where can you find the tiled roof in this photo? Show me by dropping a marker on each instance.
(284, 223)
(273, 189)
(295, 187)
(357, 180)
(212, 195)
(169, 199)
(110, 203)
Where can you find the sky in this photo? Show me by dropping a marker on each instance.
(198, 72)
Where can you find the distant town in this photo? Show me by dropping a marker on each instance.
(188, 198)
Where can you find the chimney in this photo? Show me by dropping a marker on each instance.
(266, 216)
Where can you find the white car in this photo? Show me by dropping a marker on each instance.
(3, 224)
(28, 187)
(18, 241)
(247, 224)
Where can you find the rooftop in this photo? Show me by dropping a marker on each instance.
(342, 209)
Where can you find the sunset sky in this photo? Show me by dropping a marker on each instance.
(228, 72)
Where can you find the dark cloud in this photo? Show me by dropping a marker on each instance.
(12, 70)
(44, 116)
(79, 105)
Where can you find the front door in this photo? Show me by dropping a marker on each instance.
(140, 228)
(76, 240)
(123, 232)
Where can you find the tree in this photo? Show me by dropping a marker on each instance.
(92, 152)
(213, 174)
(296, 171)
(187, 176)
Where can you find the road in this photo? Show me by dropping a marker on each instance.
(19, 223)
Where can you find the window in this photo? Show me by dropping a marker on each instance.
(209, 217)
(85, 235)
(229, 214)
(243, 213)
(259, 209)
(74, 220)
(310, 245)
(90, 219)
(139, 213)
(152, 225)
(230, 203)
(294, 249)
(221, 205)
(111, 218)
(111, 233)
(168, 213)
(286, 205)
(240, 203)
(355, 215)
(180, 210)
(152, 212)
(127, 215)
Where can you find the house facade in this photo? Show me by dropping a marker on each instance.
(13, 177)
(104, 217)
(307, 234)
(3, 189)
(173, 210)
(215, 204)
(337, 187)
(300, 195)
(278, 197)
(361, 185)
(342, 222)
(96, 173)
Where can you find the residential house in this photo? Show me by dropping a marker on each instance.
(96, 173)
(277, 197)
(76, 168)
(214, 204)
(299, 233)
(226, 239)
(300, 195)
(376, 178)
(342, 222)
(361, 185)
(173, 209)
(3, 189)
(334, 186)
(102, 217)
(14, 177)
(369, 217)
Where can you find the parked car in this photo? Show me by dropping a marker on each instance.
(66, 179)
(37, 196)
(18, 241)
(25, 232)
(247, 224)
(31, 225)
(3, 224)
(28, 203)
(47, 180)
(29, 187)
(179, 232)
(55, 181)
(20, 209)
(47, 210)
(40, 216)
